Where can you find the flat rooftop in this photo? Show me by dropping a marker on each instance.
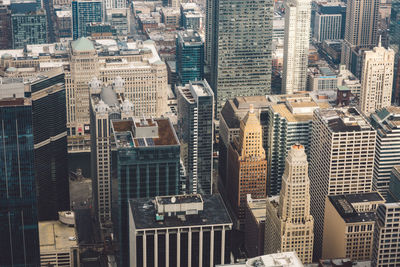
(257, 208)
(125, 137)
(8, 102)
(343, 205)
(179, 199)
(55, 236)
(144, 214)
(346, 119)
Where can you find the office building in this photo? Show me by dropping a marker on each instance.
(394, 44)
(191, 16)
(347, 169)
(386, 243)
(137, 63)
(196, 134)
(84, 12)
(348, 79)
(63, 24)
(247, 165)
(349, 225)
(18, 206)
(387, 154)
(321, 77)
(50, 144)
(377, 79)
(182, 230)
(360, 32)
(241, 49)
(5, 27)
(148, 165)
(393, 194)
(106, 103)
(254, 227)
(296, 44)
(287, 259)
(329, 21)
(29, 28)
(287, 123)
(288, 223)
(58, 242)
(120, 19)
(189, 57)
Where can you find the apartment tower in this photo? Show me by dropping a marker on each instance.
(296, 44)
(289, 225)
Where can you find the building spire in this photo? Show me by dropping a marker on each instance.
(380, 40)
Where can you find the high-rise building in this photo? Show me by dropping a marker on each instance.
(247, 165)
(196, 134)
(329, 21)
(386, 243)
(376, 79)
(394, 43)
(107, 103)
(289, 259)
(287, 124)
(29, 28)
(50, 144)
(84, 12)
(5, 27)
(289, 225)
(297, 39)
(189, 57)
(137, 63)
(360, 32)
(349, 225)
(254, 227)
(18, 206)
(393, 194)
(348, 166)
(181, 230)
(348, 79)
(148, 165)
(241, 49)
(387, 153)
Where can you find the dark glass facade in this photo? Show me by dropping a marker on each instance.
(50, 139)
(394, 43)
(30, 28)
(83, 13)
(144, 172)
(19, 237)
(189, 57)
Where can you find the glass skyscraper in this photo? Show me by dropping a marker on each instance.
(189, 57)
(19, 237)
(394, 43)
(83, 13)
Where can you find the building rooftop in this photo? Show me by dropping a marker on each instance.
(193, 90)
(190, 37)
(257, 208)
(346, 119)
(144, 133)
(54, 235)
(82, 44)
(144, 212)
(8, 102)
(344, 206)
(283, 259)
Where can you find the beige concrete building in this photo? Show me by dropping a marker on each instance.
(377, 79)
(288, 224)
(247, 166)
(349, 225)
(341, 160)
(58, 243)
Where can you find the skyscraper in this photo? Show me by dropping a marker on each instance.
(348, 166)
(247, 165)
(241, 49)
(360, 33)
(84, 12)
(5, 27)
(189, 57)
(387, 230)
(296, 43)
(329, 21)
(29, 28)
(195, 124)
(50, 143)
(106, 103)
(289, 226)
(148, 165)
(377, 79)
(394, 43)
(387, 155)
(18, 213)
